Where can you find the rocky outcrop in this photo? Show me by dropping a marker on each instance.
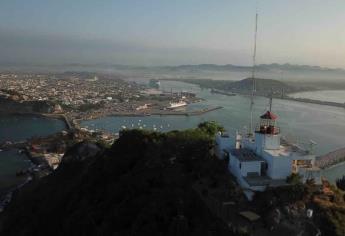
(80, 152)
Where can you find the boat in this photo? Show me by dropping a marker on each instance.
(178, 104)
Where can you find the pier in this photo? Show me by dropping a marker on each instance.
(331, 159)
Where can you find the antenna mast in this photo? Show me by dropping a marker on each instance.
(253, 74)
(271, 99)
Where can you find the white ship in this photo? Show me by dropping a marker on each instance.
(174, 105)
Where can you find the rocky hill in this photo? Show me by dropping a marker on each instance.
(140, 186)
(150, 183)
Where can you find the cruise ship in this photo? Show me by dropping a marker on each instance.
(174, 105)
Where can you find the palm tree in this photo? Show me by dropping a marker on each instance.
(341, 183)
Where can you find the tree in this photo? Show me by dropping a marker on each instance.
(211, 127)
(293, 179)
(341, 183)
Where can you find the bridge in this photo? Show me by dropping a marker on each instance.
(330, 159)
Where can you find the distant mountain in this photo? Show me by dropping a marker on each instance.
(211, 67)
(261, 67)
(263, 87)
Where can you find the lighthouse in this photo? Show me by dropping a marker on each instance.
(267, 133)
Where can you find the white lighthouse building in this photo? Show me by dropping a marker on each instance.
(262, 158)
(265, 159)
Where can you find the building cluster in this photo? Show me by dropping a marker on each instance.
(67, 89)
(263, 159)
(86, 95)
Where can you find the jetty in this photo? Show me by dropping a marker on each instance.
(312, 101)
(222, 92)
(330, 159)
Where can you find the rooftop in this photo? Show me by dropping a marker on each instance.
(288, 149)
(269, 116)
(264, 180)
(245, 155)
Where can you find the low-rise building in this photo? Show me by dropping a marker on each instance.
(264, 159)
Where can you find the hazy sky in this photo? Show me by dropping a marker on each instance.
(168, 32)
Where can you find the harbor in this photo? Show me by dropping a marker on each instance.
(326, 129)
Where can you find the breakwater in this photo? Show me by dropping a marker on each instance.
(312, 101)
(331, 159)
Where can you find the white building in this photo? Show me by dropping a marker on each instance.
(264, 159)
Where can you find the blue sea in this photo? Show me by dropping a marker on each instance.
(19, 128)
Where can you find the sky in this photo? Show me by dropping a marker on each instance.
(172, 32)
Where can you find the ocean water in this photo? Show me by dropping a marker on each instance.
(21, 127)
(300, 122)
(11, 161)
(18, 128)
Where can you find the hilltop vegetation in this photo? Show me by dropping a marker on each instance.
(139, 186)
(150, 183)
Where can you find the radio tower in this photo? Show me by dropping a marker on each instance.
(253, 75)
